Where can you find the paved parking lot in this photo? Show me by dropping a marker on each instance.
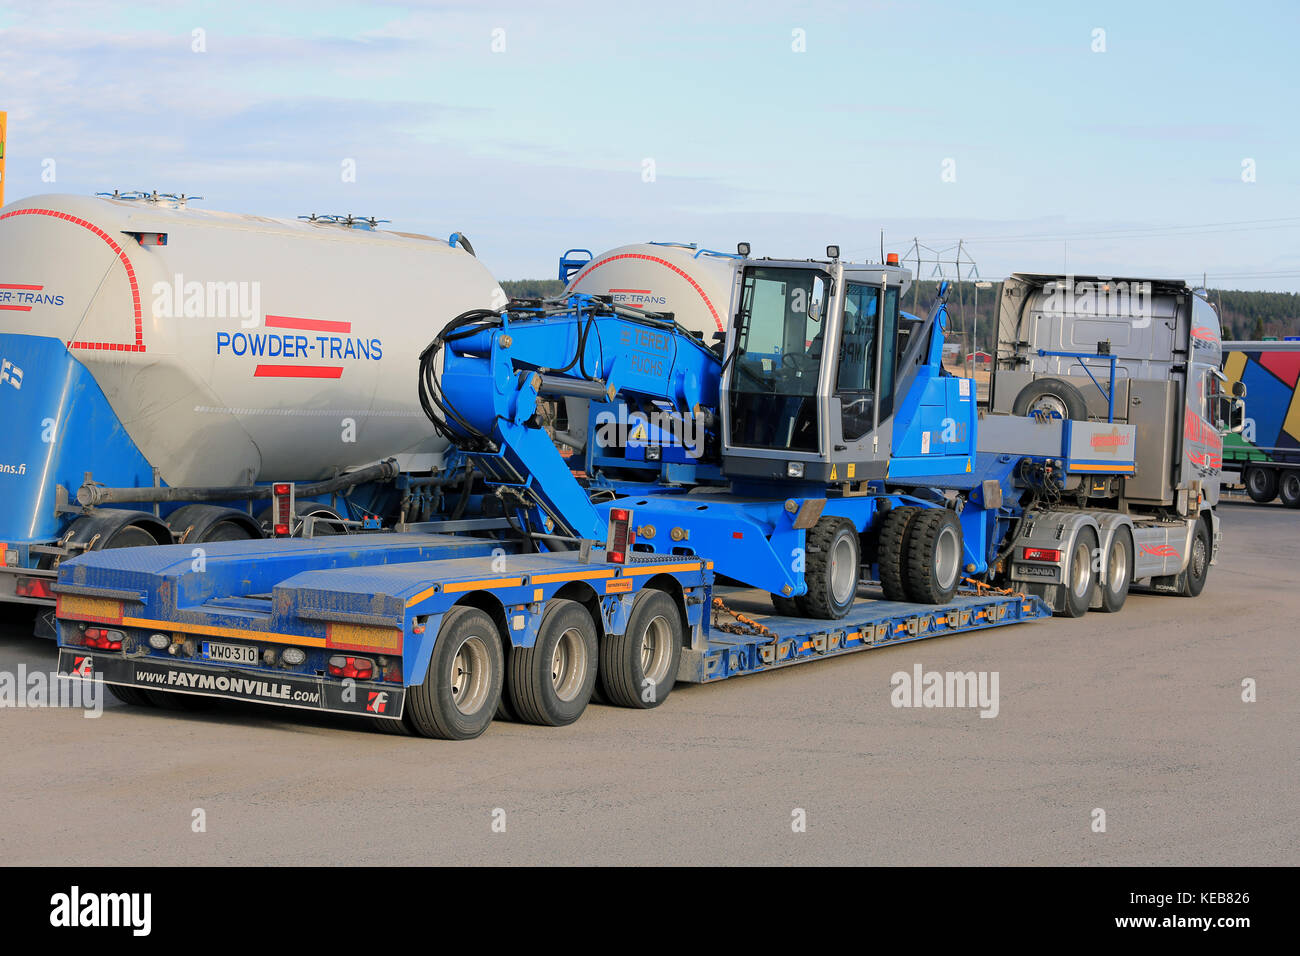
(1140, 715)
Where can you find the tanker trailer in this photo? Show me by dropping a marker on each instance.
(195, 355)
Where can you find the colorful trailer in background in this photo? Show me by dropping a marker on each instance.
(1267, 452)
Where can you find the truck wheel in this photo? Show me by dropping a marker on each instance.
(132, 696)
(459, 696)
(1289, 488)
(891, 554)
(639, 667)
(1079, 577)
(1053, 396)
(1119, 571)
(786, 607)
(1191, 581)
(550, 683)
(934, 553)
(1261, 484)
(831, 565)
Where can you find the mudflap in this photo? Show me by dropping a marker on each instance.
(357, 698)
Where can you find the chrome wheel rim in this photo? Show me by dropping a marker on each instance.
(569, 664)
(843, 571)
(1081, 569)
(947, 558)
(1117, 564)
(470, 669)
(656, 650)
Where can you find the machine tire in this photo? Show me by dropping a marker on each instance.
(200, 524)
(891, 554)
(394, 728)
(1261, 484)
(131, 696)
(1051, 394)
(934, 553)
(628, 668)
(550, 683)
(1114, 593)
(831, 565)
(168, 700)
(1191, 580)
(1289, 488)
(466, 666)
(786, 607)
(1080, 579)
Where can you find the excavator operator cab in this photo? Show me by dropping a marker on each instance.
(809, 369)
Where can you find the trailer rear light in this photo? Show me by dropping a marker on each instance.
(10, 555)
(104, 640)
(282, 509)
(33, 588)
(293, 656)
(160, 642)
(359, 668)
(1041, 554)
(621, 536)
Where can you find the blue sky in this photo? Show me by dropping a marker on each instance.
(1127, 160)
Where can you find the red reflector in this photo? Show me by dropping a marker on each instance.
(618, 514)
(33, 587)
(280, 489)
(282, 531)
(737, 534)
(1042, 554)
(617, 557)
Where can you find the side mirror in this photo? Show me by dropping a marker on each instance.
(1238, 389)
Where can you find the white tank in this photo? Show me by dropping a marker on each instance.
(694, 284)
(243, 348)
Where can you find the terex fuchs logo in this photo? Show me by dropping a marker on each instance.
(378, 702)
(74, 909)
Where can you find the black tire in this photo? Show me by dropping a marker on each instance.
(934, 557)
(170, 700)
(394, 728)
(1191, 580)
(633, 675)
(129, 536)
(1051, 394)
(786, 607)
(466, 668)
(1119, 555)
(1288, 488)
(1080, 582)
(1261, 484)
(891, 553)
(831, 562)
(550, 683)
(132, 696)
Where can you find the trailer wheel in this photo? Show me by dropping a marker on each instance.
(550, 683)
(131, 696)
(1289, 488)
(934, 553)
(1080, 579)
(891, 554)
(1053, 396)
(786, 607)
(638, 668)
(459, 696)
(1119, 571)
(1191, 581)
(1261, 484)
(831, 565)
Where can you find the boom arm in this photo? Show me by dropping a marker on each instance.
(496, 365)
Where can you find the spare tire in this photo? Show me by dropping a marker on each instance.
(1051, 395)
